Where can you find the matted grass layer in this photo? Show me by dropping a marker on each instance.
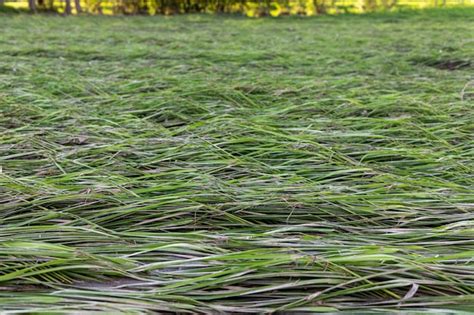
(220, 164)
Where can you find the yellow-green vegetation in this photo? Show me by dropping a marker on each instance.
(219, 164)
(252, 8)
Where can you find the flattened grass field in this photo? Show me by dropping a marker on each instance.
(219, 164)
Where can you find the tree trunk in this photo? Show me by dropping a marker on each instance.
(68, 9)
(32, 5)
(99, 8)
(77, 3)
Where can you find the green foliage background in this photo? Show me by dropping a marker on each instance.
(253, 8)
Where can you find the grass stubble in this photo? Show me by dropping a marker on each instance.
(220, 164)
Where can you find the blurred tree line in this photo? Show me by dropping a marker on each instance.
(249, 7)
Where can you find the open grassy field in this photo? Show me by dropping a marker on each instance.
(221, 164)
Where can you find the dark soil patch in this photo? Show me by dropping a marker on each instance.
(444, 64)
